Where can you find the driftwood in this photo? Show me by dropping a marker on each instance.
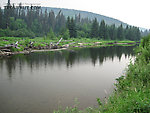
(55, 46)
(31, 44)
(72, 43)
(50, 45)
(67, 45)
(12, 45)
(7, 48)
(59, 41)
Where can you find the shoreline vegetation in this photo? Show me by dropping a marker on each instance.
(16, 45)
(132, 91)
(45, 29)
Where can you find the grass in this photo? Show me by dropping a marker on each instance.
(132, 91)
(41, 42)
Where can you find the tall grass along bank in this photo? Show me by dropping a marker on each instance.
(16, 45)
(132, 92)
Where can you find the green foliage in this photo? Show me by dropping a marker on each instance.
(36, 27)
(24, 33)
(6, 32)
(72, 27)
(102, 30)
(94, 29)
(16, 33)
(99, 101)
(66, 34)
(20, 48)
(120, 33)
(20, 24)
(73, 109)
(81, 34)
(17, 24)
(36, 23)
(112, 30)
(42, 42)
(51, 35)
(132, 94)
(2, 33)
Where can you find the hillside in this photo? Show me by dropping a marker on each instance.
(85, 14)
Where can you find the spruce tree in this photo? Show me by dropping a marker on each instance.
(50, 34)
(120, 33)
(102, 30)
(72, 27)
(73, 32)
(94, 29)
(1, 18)
(52, 19)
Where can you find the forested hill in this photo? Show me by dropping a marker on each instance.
(52, 23)
(85, 14)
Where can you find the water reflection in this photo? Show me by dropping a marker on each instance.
(38, 82)
(69, 57)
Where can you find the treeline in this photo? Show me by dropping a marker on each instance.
(114, 33)
(36, 22)
(145, 33)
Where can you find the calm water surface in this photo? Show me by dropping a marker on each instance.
(40, 82)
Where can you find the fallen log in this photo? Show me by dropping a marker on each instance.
(6, 50)
(59, 41)
(4, 47)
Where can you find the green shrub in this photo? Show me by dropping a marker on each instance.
(133, 90)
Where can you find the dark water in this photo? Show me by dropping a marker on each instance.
(40, 82)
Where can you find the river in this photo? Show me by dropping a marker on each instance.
(41, 82)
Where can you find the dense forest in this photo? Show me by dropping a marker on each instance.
(85, 14)
(18, 22)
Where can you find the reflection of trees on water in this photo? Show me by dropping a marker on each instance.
(67, 57)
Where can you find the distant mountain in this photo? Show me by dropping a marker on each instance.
(85, 14)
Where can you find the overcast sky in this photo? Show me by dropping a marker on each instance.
(133, 12)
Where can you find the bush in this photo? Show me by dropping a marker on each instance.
(16, 33)
(133, 94)
(51, 35)
(2, 33)
(24, 33)
(66, 35)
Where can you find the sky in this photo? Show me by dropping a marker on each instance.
(132, 12)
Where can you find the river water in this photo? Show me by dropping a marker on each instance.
(43, 81)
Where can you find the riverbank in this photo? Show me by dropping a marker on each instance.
(15, 45)
(132, 92)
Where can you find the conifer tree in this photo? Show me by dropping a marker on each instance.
(94, 29)
(50, 34)
(72, 27)
(73, 32)
(52, 19)
(1, 18)
(102, 30)
(120, 33)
